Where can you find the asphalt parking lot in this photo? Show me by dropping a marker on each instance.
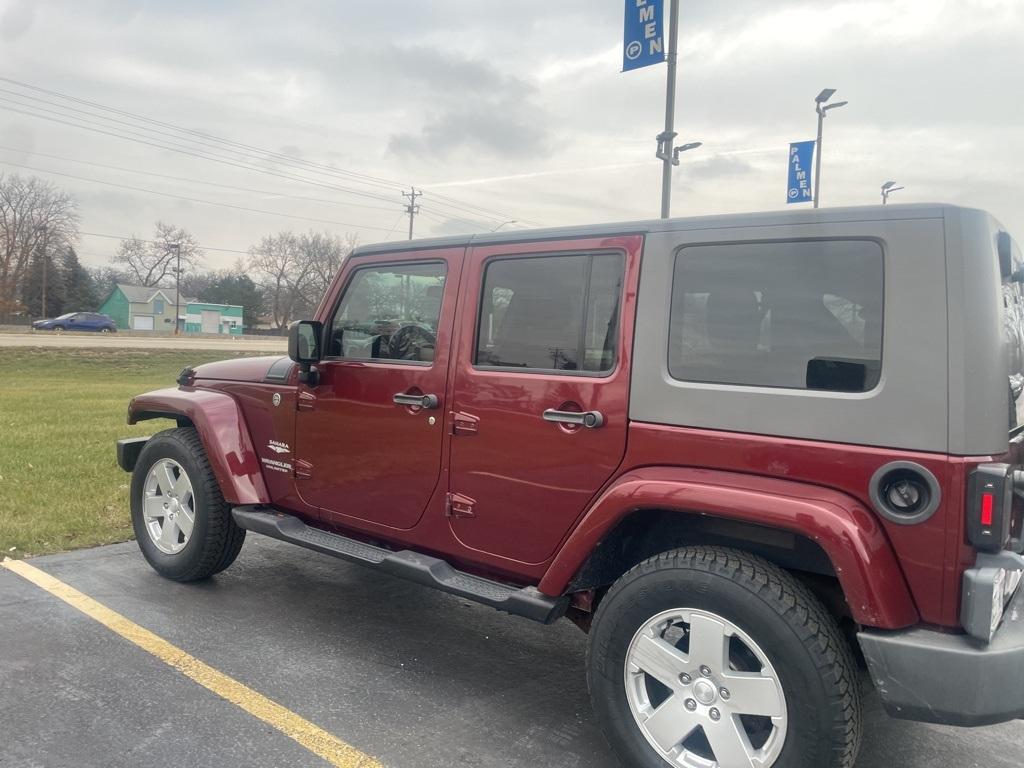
(407, 675)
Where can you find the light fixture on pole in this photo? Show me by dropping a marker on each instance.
(684, 148)
(822, 108)
(887, 189)
(503, 224)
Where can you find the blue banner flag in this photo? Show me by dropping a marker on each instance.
(643, 41)
(801, 155)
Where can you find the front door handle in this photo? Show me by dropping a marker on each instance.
(416, 401)
(588, 419)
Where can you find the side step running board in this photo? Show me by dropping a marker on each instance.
(423, 569)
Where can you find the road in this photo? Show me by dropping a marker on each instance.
(126, 341)
(408, 675)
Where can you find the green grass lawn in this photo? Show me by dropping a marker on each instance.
(61, 410)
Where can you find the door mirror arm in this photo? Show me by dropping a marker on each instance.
(304, 347)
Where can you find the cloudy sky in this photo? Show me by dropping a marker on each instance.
(498, 110)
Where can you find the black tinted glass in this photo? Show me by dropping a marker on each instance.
(551, 313)
(805, 315)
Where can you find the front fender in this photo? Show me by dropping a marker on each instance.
(221, 426)
(875, 588)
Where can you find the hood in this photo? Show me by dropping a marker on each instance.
(244, 368)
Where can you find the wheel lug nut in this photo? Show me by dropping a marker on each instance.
(705, 670)
(685, 679)
(715, 714)
(724, 693)
(690, 704)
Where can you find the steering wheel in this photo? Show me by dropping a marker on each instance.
(408, 340)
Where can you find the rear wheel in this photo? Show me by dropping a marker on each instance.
(104, 330)
(182, 523)
(707, 657)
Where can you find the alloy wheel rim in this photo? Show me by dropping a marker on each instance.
(168, 506)
(703, 693)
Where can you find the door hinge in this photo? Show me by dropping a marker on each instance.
(306, 401)
(464, 423)
(303, 469)
(457, 505)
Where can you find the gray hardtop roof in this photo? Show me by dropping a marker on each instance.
(762, 219)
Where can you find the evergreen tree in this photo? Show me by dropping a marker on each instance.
(238, 289)
(32, 289)
(79, 292)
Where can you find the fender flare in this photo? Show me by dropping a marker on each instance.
(223, 431)
(850, 535)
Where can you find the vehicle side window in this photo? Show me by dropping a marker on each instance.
(803, 315)
(390, 313)
(552, 313)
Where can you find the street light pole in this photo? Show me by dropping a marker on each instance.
(821, 108)
(177, 287)
(665, 139)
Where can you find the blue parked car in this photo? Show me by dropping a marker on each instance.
(77, 321)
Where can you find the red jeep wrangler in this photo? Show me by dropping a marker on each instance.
(745, 453)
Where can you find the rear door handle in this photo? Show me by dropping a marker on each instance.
(416, 401)
(588, 419)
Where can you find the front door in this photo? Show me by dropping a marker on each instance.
(369, 435)
(541, 390)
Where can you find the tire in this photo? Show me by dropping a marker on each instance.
(104, 330)
(213, 541)
(809, 706)
(58, 329)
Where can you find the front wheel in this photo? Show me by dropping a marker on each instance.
(182, 523)
(710, 657)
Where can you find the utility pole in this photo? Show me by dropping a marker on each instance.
(412, 208)
(177, 286)
(42, 228)
(821, 108)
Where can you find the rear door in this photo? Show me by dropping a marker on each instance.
(367, 448)
(541, 389)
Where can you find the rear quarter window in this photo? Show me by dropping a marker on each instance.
(799, 314)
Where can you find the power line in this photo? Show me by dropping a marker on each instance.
(193, 199)
(204, 156)
(198, 181)
(155, 242)
(206, 138)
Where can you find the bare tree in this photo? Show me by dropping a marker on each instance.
(325, 253)
(36, 218)
(295, 271)
(153, 262)
(279, 269)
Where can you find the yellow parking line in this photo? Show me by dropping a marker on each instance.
(315, 739)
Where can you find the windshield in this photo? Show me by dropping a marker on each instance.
(1011, 267)
(66, 316)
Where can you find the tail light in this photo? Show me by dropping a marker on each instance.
(990, 507)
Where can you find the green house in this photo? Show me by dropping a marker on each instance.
(138, 308)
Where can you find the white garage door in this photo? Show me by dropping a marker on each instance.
(211, 321)
(142, 323)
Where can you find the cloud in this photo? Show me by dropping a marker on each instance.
(16, 20)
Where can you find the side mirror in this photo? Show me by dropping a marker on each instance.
(304, 348)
